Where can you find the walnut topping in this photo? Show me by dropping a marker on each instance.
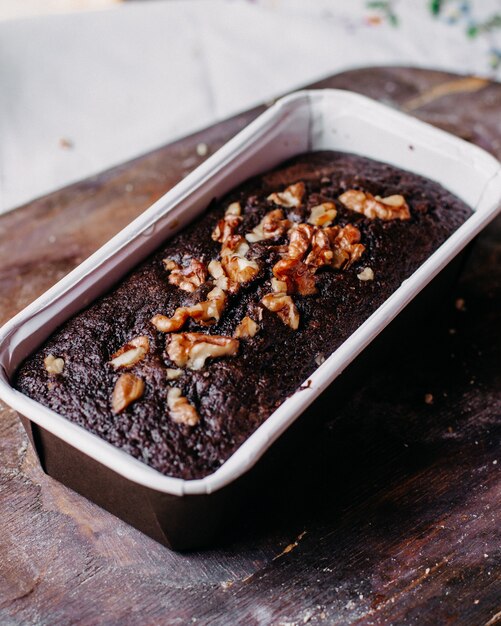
(173, 374)
(53, 365)
(389, 208)
(238, 269)
(273, 225)
(291, 197)
(366, 274)
(278, 286)
(322, 214)
(246, 328)
(345, 245)
(227, 227)
(187, 278)
(335, 246)
(320, 358)
(284, 307)
(205, 313)
(234, 209)
(193, 349)
(128, 388)
(181, 411)
(300, 237)
(132, 352)
(222, 281)
(321, 252)
(298, 277)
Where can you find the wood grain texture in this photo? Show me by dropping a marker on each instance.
(403, 525)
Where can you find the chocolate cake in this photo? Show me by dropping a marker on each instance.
(184, 359)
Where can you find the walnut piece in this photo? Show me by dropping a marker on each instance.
(187, 278)
(321, 252)
(227, 226)
(297, 276)
(320, 358)
(291, 197)
(273, 225)
(193, 349)
(366, 274)
(278, 286)
(323, 214)
(128, 388)
(204, 313)
(390, 208)
(173, 374)
(181, 411)
(284, 307)
(345, 245)
(335, 246)
(222, 281)
(131, 353)
(246, 328)
(300, 237)
(236, 267)
(53, 365)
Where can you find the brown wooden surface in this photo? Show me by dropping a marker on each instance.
(405, 524)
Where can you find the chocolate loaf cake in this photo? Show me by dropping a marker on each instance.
(184, 359)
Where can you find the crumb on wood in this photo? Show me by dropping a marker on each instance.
(291, 546)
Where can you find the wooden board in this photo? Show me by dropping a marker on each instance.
(405, 527)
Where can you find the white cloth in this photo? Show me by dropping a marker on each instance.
(82, 92)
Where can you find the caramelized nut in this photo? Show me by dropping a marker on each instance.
(186, 278)
(193, 349)
(298, 277)
(236, 267)
(322, 214)
(345, 245)
(205, 313)
(278, 286)
(53, 365)
(284, 307)
(390, 208)
(246, 328)
(321, 252)
(272, 225)
(131, 353)
(227, 226)
(128, 388)
(181, 411)
(335, 246)
(300, 237)
(291, 197)
(222, 281)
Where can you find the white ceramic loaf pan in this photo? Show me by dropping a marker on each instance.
(307, 120)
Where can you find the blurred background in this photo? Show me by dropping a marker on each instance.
(88, 84)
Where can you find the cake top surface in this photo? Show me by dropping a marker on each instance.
(186, 357)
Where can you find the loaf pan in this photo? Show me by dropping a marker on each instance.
(188, 513)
